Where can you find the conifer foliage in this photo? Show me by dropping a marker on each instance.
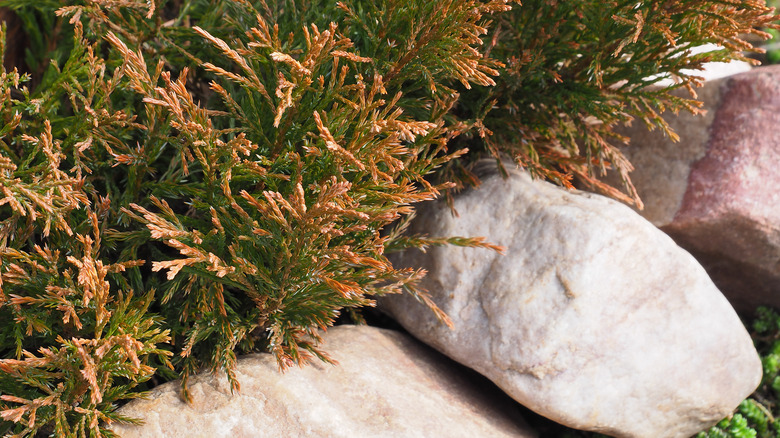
(574, 70)
(185, 180)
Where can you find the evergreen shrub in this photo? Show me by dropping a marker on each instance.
(182, 181)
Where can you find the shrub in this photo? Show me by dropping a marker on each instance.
(574, 70)
(186, 180)
(757, 415)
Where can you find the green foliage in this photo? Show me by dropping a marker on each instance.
(756, 416)
(576, 69)
(185, 180)
(238, 172)
(772, 52)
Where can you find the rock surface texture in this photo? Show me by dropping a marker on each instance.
(386, 385)
(717, 191)
(594, 318)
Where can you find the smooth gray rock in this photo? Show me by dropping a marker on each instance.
(386, 385)
(594, 318)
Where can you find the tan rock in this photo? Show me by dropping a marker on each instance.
(662, 165)
(594, 318)
(717, 191)
(386, 385)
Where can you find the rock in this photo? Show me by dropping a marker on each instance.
(711, 70)
(594, 318)
(662, 166)
(717, 191)
(386, 385)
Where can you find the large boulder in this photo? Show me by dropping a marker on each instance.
(594, 318)
(717, 190)
(385, 385)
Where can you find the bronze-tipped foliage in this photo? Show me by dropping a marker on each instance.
(238, 173)
(576, 69)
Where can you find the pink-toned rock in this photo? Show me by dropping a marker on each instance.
(717, 191)
(385, 385)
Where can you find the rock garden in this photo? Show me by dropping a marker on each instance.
(389, 219)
